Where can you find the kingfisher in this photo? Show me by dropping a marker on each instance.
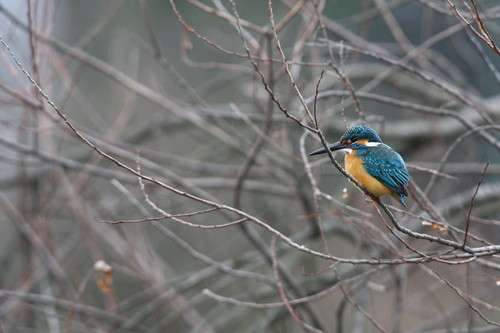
(375, 165)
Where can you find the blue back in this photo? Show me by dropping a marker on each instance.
(385, 165)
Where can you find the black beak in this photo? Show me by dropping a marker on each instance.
(333, 147)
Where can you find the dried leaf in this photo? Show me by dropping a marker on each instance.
(105, 279)
(435, 226)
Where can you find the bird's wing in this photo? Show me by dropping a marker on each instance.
(387, 166)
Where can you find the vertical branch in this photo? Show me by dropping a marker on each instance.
(333, 64)
(285, 62)
(261, 139)
(472, 203)
(307, 166)
(283, 295)
(362, 311)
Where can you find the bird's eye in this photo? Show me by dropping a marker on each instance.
(354, 139)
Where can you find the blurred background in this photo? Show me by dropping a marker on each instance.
(167, 88)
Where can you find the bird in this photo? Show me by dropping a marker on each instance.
(375, 165)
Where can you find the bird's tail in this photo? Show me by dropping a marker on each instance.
(399, 197)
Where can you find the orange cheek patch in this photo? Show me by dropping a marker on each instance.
(363, 142)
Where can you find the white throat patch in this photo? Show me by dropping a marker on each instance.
(373, 144)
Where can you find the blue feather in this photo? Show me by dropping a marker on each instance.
(385, 165)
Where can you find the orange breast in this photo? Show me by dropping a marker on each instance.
(354, 166)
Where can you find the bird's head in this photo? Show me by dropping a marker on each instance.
(356, 137)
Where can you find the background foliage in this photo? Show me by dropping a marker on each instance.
(154, 173)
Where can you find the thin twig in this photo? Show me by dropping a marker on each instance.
(467, 223)
(282, 292)
(482, 33)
